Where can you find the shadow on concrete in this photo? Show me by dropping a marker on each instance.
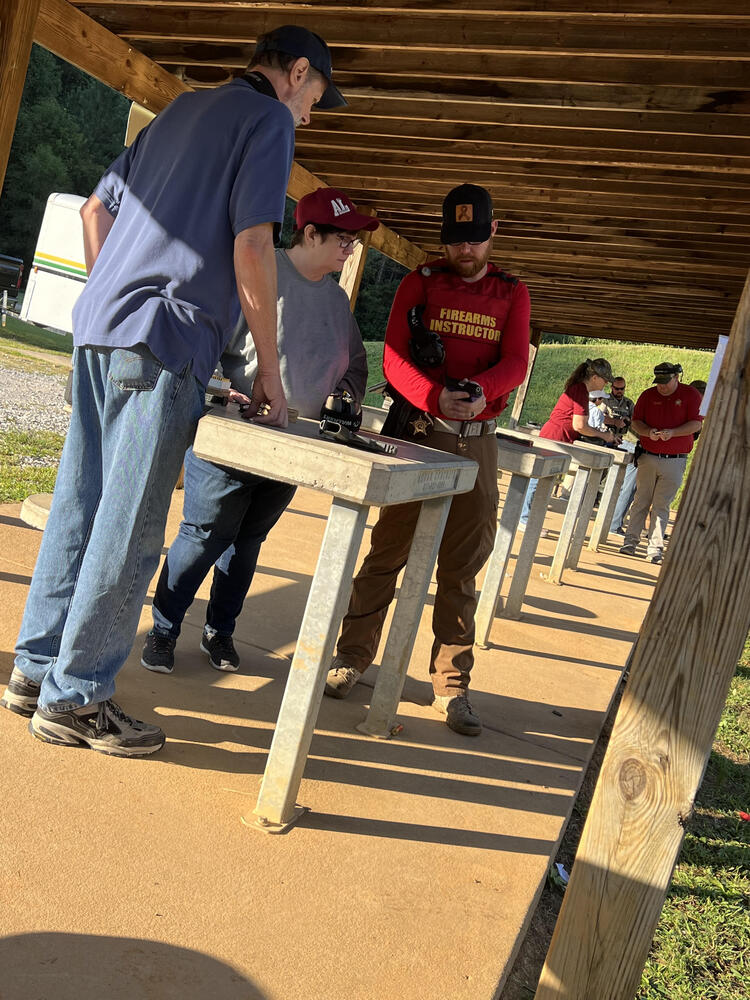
(48, 966)
(558, 607)
(15, 578)
(548, 656)
(16, 522)
(561, 625)
(425, 834)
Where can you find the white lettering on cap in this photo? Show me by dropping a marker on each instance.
(339, 207)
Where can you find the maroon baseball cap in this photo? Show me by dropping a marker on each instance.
(329, 207)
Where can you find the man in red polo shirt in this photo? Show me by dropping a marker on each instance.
(665, 418)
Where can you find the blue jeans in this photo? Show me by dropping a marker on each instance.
(131, 422)
(528, 500)
(627, 492)
(227, 516)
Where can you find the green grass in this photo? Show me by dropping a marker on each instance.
(18, 481)
(19, 334)
(32, 349)
(556, 361)
(702, 944)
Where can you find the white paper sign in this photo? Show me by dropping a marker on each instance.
(714, 373)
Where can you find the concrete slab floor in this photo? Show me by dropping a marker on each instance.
(418, 867)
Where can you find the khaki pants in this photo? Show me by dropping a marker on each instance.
(657, 482)
(466, 545)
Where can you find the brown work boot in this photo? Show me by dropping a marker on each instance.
(459, 715)
(341, 679)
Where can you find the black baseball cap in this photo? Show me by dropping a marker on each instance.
(299, 42)
(665, 372)
(467, 215)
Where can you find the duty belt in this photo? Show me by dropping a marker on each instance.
(465, 428)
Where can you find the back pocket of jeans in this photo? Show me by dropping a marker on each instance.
(134, 370)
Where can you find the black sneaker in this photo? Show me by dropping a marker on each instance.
(158, 653)
(459, 713)
(103, 727)
(221, 652)
(658, 559)
(627, 550)
(20, 695)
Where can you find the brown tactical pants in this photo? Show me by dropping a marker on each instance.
(466, 545)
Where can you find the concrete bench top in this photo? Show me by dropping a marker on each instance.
(588, 456)
(298, 454)
(621, 456)
(519, 459)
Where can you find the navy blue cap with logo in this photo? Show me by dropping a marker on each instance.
(299, 42)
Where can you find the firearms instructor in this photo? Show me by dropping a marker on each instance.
(456, 345)
(178, 228)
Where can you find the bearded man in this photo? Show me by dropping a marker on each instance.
(456, 345)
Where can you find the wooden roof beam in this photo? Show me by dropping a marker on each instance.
(75, 37)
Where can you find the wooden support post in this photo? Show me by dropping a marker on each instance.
(681, 669)
(515, 417)
(17, 21)
(352, 271)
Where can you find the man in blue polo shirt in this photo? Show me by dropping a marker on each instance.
(178, 228)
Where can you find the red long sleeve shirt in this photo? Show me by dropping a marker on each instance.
(484, 326)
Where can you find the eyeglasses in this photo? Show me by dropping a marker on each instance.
(346, 243)
(468, 243)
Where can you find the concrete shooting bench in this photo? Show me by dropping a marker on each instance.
(591, 462)
(357, 480)
(523, 462)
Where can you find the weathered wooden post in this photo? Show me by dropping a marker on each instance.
(534, 341)
(17, 23)
(681, 669)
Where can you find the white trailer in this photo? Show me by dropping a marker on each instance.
(58, 272)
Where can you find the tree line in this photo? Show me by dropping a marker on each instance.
(69, 129)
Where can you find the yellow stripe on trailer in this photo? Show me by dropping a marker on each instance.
(61, 260)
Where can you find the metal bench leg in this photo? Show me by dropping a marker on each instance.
(527, 551)
(569, 523)
(326, 604)
(584, 516)
(428, 534)
(607, 504)
(498, 561)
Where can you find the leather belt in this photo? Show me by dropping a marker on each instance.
(656, 454)
(465, 428)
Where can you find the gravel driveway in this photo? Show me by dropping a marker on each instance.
(32, 402)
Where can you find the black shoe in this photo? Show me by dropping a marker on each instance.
(221, 652)
(20, 695)
(620, 531)
(658, 559)
(103, 727)
(627, 550)
(158, 653)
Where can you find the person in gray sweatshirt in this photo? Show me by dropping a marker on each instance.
(227, 514)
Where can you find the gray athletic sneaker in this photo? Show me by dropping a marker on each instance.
(459, 715)
(103, 727)
(341, 679)
(20, 695)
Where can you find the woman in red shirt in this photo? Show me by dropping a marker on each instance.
(570, 416)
